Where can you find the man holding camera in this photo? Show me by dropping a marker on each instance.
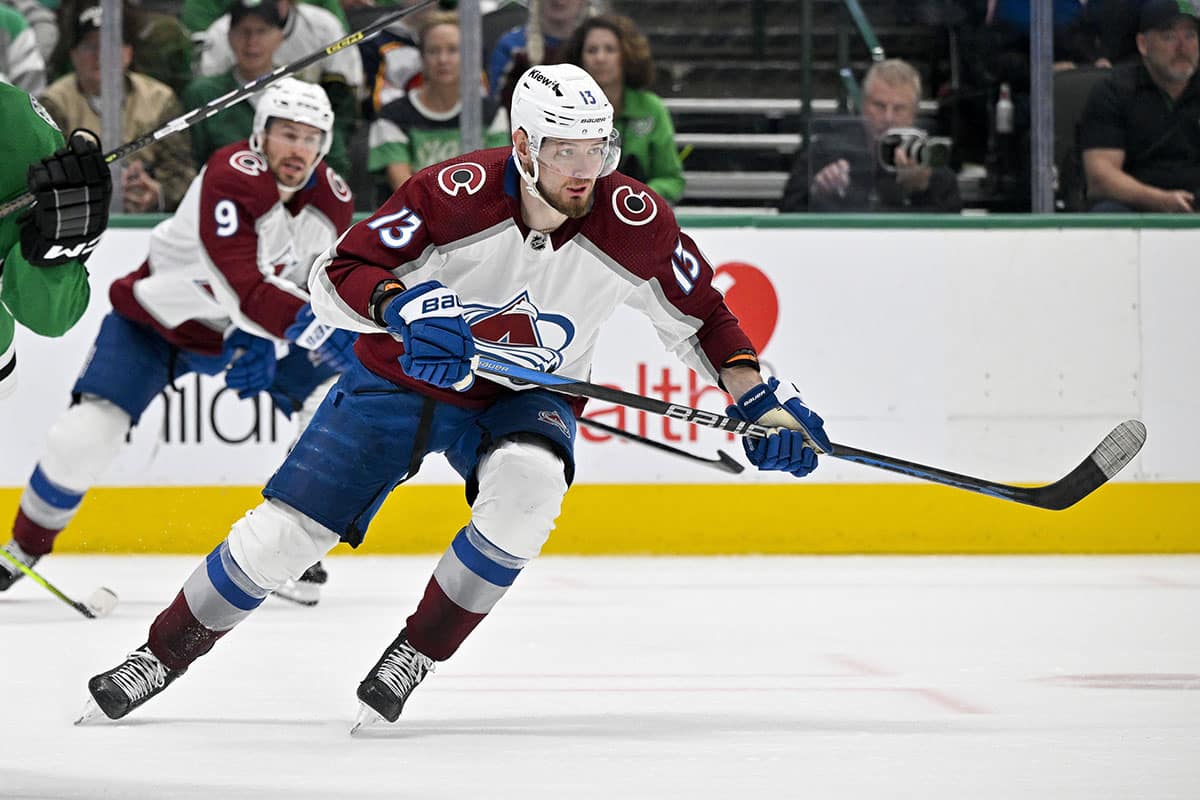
(1139, 135)
(883, 165)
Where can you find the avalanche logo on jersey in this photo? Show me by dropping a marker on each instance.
(520, 332)
(285, 262)
(634, 208)
(341, 189)
(467, 175)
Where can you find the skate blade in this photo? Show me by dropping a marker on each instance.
(299, 593)
(91, 711)
(367, 718)
(101, 602)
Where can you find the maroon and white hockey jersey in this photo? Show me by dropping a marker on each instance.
(234, 254)
(534, 299)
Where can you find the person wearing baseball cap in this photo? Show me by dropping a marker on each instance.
(156, 177)
(255, 35)
(1163, 14)
(1140, 131)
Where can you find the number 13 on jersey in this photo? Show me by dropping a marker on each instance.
(400, 234)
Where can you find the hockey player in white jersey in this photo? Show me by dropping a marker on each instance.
(522, 254)
(224, 284)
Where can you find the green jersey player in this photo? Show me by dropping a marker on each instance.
(43, 282)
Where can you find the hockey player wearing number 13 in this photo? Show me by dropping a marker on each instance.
(521, 254)
(223, 284)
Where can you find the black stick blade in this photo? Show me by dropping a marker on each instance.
(1109, 458)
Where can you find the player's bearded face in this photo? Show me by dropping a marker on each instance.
(292, 148)
(567, 173)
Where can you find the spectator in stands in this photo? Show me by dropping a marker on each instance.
(198, 15)
(41, 20)
(307, 29)
(536, 42)
(155, 177)
(20, 62)
(617, 55)
(392, 61)
(162, 47)
(1076, 32)
(422, 127)
(849, 176)
(1139, 137)
(255, 35)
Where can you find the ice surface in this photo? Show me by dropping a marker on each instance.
(930, 678)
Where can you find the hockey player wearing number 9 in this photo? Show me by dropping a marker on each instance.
(523, 254)
(224, 284)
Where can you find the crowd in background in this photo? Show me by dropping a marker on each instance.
(397, 96)
(400, 89)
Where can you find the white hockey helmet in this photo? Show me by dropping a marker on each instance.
(297, 101)
(562, 101)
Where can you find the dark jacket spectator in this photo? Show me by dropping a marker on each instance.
(842, 172)
(1139, 137)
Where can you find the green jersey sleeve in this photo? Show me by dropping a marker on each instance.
(47, 301)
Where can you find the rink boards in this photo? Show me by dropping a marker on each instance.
(999, 347)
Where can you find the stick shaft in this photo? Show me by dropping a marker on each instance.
(219, 104)
(723, 462)
(1117, 449)
(47, 585)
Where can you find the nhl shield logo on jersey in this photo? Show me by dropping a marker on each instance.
(520, 332)
(466, 175)
(634, 208)
(553, 418)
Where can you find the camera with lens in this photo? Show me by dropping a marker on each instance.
(919, 147)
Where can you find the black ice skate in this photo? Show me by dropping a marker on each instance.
(9, 574)
(129, 684)
(389, 683)
(305, 590)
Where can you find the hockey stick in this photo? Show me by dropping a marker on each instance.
(100, 603)
(723, 461)
(1110, 456)
(219, 104)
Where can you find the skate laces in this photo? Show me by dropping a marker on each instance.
(402, 669)
(140, 675)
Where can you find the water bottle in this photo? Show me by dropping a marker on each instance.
(1004, 110)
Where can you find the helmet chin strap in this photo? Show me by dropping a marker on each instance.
(530, 181)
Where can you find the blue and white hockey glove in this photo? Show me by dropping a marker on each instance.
(332, 346)
(794, 449)
(251, 363)
(438, 346)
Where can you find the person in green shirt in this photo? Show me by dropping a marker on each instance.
(617, 56)
(43, 282)
(197, 15)
(255, 34)
(422, 127)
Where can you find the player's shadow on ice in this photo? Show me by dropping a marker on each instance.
(646, 726)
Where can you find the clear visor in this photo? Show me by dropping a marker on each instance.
(584, 159)
(298, 135)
